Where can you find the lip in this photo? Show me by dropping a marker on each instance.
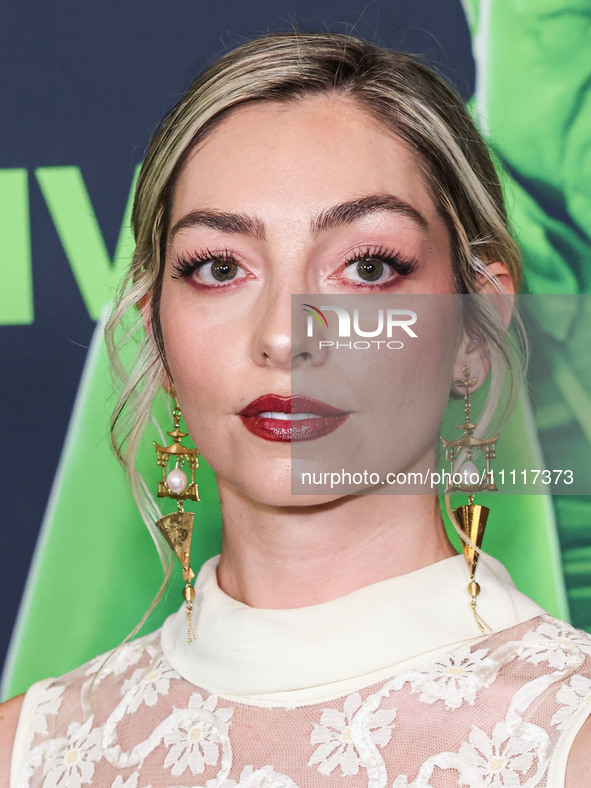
(323, 419)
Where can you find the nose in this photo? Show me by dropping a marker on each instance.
(281, 339)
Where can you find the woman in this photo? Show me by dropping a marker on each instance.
(334, 639)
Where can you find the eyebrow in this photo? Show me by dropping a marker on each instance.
(328, 219)
(233, 223)
(348, 212)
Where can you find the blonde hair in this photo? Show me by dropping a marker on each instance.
(396, 89)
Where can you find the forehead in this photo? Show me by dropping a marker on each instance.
(288, 160)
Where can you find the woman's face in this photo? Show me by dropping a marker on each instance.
(313, 197)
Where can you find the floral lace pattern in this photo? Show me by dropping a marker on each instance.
(334, 735)
(487, 715)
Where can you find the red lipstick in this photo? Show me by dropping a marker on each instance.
(305, 419)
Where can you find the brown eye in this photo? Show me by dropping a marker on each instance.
(223, 270)
(370, 269)
(378, 267)
(208, 269)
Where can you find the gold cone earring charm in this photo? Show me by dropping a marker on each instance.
(177, 527)
(472, 519)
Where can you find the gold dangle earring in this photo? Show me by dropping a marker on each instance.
(470, 519)
(177, 527)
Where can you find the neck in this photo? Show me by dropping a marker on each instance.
(300, 556)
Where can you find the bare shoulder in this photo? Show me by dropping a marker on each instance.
(578, 767)
(9, 713)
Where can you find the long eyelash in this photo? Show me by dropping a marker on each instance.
(187, 264)
(404, 266)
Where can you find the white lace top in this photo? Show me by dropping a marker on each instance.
(389, 686)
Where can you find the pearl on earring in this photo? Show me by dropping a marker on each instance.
(177, 480)
(468, 472)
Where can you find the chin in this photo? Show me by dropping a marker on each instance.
(271, 485)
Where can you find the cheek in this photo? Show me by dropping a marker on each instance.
(410, 387)
(201, 355)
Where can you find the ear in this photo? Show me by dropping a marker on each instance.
(145, 307)
(499, 282)
(471, 352)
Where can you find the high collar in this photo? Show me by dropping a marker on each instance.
(303, 653)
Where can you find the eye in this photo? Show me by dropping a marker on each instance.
(369, 270)
(219, 271)
(378, 267)
(208, 269)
